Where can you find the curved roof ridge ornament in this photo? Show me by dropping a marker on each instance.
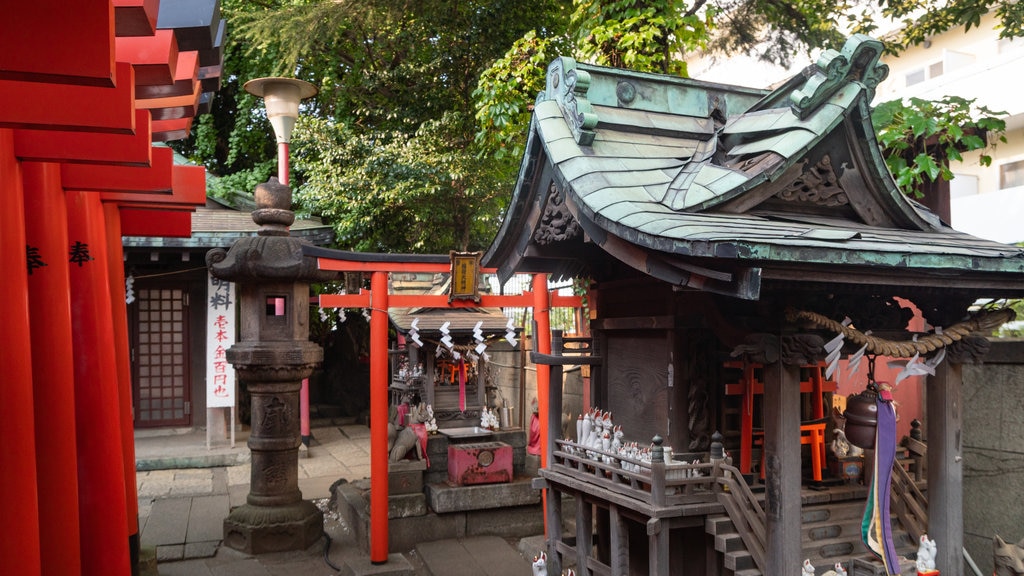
(568, 87)
(858, 62)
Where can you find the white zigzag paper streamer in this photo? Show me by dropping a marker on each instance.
(510, 333)
(414, 333)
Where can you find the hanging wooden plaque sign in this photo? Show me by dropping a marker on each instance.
(465, 284)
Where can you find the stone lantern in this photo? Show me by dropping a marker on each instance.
(272, 357)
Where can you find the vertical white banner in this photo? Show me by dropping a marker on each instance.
(220, 335)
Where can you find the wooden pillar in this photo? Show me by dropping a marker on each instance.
(101, 490)
(782, 467)
(19, 547)
(119, 320)
(584, 534)
(379, 417)
(46, 236)
(944, 423)
(618, 537)
(657, 547)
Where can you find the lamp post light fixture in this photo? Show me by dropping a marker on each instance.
(281, 96)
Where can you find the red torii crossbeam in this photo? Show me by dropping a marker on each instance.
(378, 300)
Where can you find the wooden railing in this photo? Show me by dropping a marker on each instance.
(652, 483)
(907, 500)
(746, 513)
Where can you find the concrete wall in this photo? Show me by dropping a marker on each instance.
(993, 449)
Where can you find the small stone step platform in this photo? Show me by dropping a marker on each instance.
(507, 510)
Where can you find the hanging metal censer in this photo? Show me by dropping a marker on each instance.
(862, 412)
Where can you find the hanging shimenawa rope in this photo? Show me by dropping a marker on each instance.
(983, 321)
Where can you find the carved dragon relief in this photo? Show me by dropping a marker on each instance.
(816, 185)
(557, 223)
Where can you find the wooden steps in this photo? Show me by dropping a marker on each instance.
(830, 534)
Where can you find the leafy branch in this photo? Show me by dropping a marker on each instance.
(921, 137)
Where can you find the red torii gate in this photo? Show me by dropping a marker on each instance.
(378, 300)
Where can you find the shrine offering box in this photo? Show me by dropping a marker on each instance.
(479, 463)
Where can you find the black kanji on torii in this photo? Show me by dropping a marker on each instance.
(35, 259)
(80, 253)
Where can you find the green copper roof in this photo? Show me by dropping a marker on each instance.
(666, 173)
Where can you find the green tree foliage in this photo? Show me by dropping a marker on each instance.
(920, 19)
(392, 192)
(921, 137)
(641, 35)
(385, 151)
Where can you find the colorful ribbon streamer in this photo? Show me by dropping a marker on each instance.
(876, 528)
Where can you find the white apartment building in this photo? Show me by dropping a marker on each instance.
(985, 201)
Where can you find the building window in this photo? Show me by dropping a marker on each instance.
(915, 77)
(951, 60)
(1011, 175)
(963, 185)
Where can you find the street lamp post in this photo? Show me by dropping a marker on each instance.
(281, 97)
(273, 354)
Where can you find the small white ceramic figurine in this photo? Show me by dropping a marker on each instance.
(540, 565)
(926, 554)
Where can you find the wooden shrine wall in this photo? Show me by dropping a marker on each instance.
(636, 373)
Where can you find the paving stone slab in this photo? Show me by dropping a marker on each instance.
(483, 556)
(206, 518)
(170, 553)
(167, 522)
(201, 549)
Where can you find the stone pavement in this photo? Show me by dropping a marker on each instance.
(186, 491)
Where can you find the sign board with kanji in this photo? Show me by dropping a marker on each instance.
(465, 284)
(220, 335)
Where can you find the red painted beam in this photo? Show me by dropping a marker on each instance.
(154, 58)
(185, 75)
(188, 190)
(361, 300)
(58, 41)
(524, 300)
(353, 266)
(43, 106)
(173, 107)
(135, 17)
(88, 147)
(156, 223)
(155, 179)
(167, 130)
